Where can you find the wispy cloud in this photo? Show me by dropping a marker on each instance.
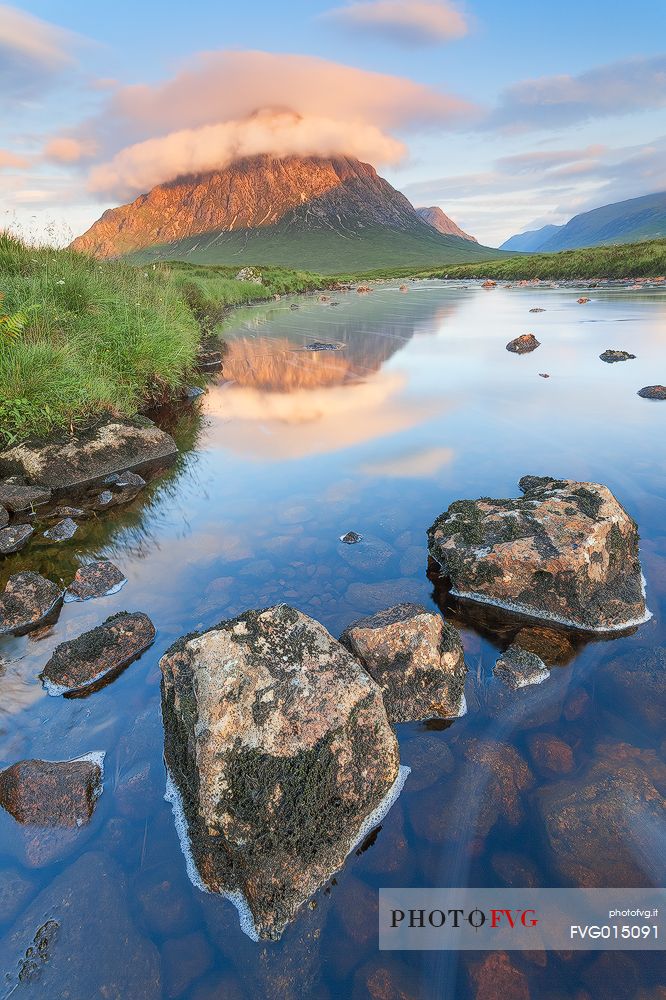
(419, 22)
(31, 51)
(549, 102)
(12, 160)
(225, 105)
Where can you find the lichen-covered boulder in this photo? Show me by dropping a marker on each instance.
(565, 552)
(279, 746)
(84, 664)
(49, 793)
(416, 658)
(95, 579)
(79, 459)
(27, 600)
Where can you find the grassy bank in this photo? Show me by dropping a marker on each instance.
(628, 260)
(82, 337)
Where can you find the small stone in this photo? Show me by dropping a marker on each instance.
(524, 344)
(104, 500)
(550, 755)
(544, 375)
(351, 538)
(62, 531)
(28, 599)
(653, 392)
(52, 793)
(318, 345)
(537, 309)
(85, 663)
(96, 579)
(610, 356)
(16, 496)
(519, 668)
(416, 658)
(14, 538)
(489, 284)
(582, 300)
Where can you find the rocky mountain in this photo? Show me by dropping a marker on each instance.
(438, 219)
(327, 214)
(629, 221)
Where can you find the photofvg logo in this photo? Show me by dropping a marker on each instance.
(522, 919)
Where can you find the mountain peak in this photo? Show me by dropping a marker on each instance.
(435, 217)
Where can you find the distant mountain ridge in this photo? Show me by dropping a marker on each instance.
(435, 217)
(327, 214)
(630, 221)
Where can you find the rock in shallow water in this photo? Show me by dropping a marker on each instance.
(519, 668)
(524, 344)
(610, 356)
(88, 455)
(52, 793)
(565, 551)
(28, 600)
(87, 662)
(14, 538)
(96, 579)
(416, 658)
(279, 745)
(62, 531)
(653, 392)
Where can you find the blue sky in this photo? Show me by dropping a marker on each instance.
(507, 116)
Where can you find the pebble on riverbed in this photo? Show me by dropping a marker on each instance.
(84, 664)
(27, 601)
(96, 579)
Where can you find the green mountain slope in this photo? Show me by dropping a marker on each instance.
(322, 250)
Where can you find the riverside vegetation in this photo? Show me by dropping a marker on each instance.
(80, 337)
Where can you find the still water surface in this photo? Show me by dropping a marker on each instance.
(286, 452)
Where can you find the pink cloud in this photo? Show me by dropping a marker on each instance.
(64, 149)
(225, 105)
(8, 159)
(419, 22)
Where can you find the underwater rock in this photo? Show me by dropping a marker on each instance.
(518, 668)
(17, 496)
(550, 755)
(416, 658)
(87, 662)
(52, 793)
(548, 644)
(96, 579)
(614, 796)
(62, 531)
(496, 976)
(28, 599)
(14, 538)
(565, 552)
(281, 753)
(80, 458)
(524, 344)
(653, 392)
(610, 356)
(635, 684)
(368, 553)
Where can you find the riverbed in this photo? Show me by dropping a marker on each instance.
(289, 449)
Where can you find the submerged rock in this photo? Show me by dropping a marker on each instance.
(279, 745)
(28, 600)
(497, 975)
(52, 793)
(551, 646)
(635, 685)
(524, 344)
(519, 668)
(565, 551)
(87, 662)
(96, 579)
(17, 496)
(367, 553)
(416, 658)
(616, 798)
(653, 392)
(14, 538)
(62, 531)
(610, 356)
(88, 455)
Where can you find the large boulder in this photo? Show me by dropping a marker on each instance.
(416, 658)
(52, 793)
(565, 552)
(27, 601)
(81, 458)
(86, 663)
(281, 753)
